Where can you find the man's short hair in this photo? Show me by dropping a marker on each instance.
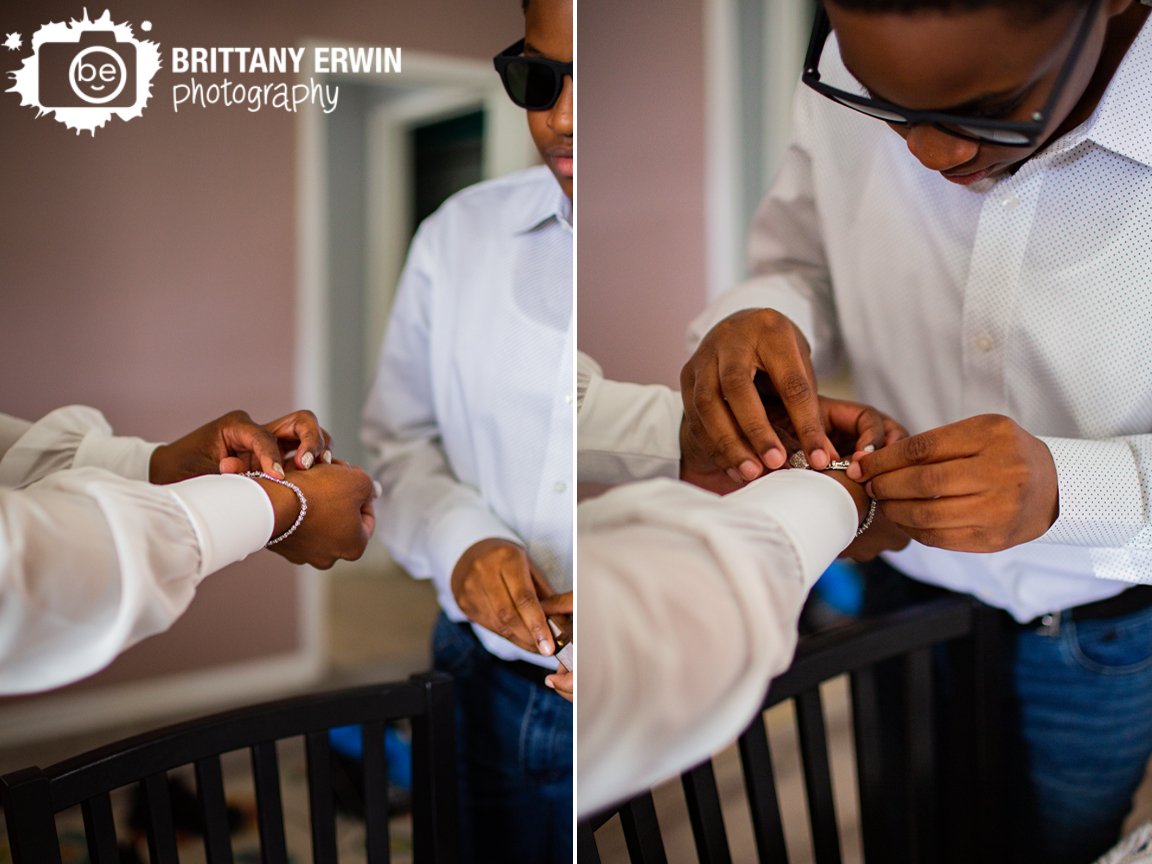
(1026, 9)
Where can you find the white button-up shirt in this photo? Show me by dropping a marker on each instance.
(1029, 296)
(470, 419)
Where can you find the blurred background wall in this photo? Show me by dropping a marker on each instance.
(683, 111)
(152, 271)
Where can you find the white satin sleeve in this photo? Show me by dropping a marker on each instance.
(688, 606)
(624, 431)
(92, 562)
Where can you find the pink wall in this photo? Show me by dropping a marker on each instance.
(150, 271)
(641, 257)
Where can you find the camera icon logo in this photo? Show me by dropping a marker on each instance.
(97, 70)
(86, 72)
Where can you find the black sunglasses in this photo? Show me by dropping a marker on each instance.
(1008, 133)
(531, 82)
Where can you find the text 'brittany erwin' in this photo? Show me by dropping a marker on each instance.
(326, 60)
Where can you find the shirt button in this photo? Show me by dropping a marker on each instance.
(561, 487)
(1010, 202)
(985, 343)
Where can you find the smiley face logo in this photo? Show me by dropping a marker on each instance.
(98, 75)
(86, 72)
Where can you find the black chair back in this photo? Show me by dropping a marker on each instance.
(902, 789)
(32, 797)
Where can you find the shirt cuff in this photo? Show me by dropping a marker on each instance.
(816, 512)
(232, 515)
(457, 530)
(1101, 499)
(125, 456)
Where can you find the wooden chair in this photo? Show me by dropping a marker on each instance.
(899, 798)
(31, 797)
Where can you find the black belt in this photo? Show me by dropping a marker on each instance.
(1125, 603)
(527, 671)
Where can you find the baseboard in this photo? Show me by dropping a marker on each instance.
(152, 702)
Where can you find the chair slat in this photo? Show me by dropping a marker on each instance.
(642, 831)
(161, 830)
(706, 815)
(920, 723)
(27, 800)
(269, 808)
(817, 777)
(321, 804)
(435, 798)
(870, 766)
(375, 792)
(756, 760)
(214, 809)
(100, 828)
(586, 851)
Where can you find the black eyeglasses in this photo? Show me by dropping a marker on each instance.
(1008, 133)
(531, 82)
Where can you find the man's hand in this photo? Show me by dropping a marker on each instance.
(563, 681)
(723, 409)
(497, 587)
(979, 485)
(851, 426)
(234, 443)
(340, 518)
(880, 536)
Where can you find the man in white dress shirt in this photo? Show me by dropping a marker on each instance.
(985, 266)
(470, 422)
(104, 539)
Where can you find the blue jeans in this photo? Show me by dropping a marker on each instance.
(1085, 701)
(515, 756)
(1077, 723)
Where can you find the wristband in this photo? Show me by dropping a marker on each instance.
(299, 496)
(799, 460)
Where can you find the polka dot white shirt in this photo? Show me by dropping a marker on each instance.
(1030, 296)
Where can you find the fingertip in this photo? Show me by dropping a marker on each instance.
(377, 489)
(548, 682)
(749, 470)
(870, 448)
(545, 646)
(306, 460)
(818, 459)
(773, 458)
(327, 457)
(855, 472)
(278, 470)
(734, 475)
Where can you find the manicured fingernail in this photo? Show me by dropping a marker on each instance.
(734, 475)
(855, 472)
(868, 489)
(773, 458)
(277, 468)
(545, 646)
(749, 470)
(306, 460)
(377, 489)
(871, 448)
(818, 459)
(548, 682)
(327, 457)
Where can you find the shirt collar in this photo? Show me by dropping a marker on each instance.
(549, 203)
(1120, 121)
